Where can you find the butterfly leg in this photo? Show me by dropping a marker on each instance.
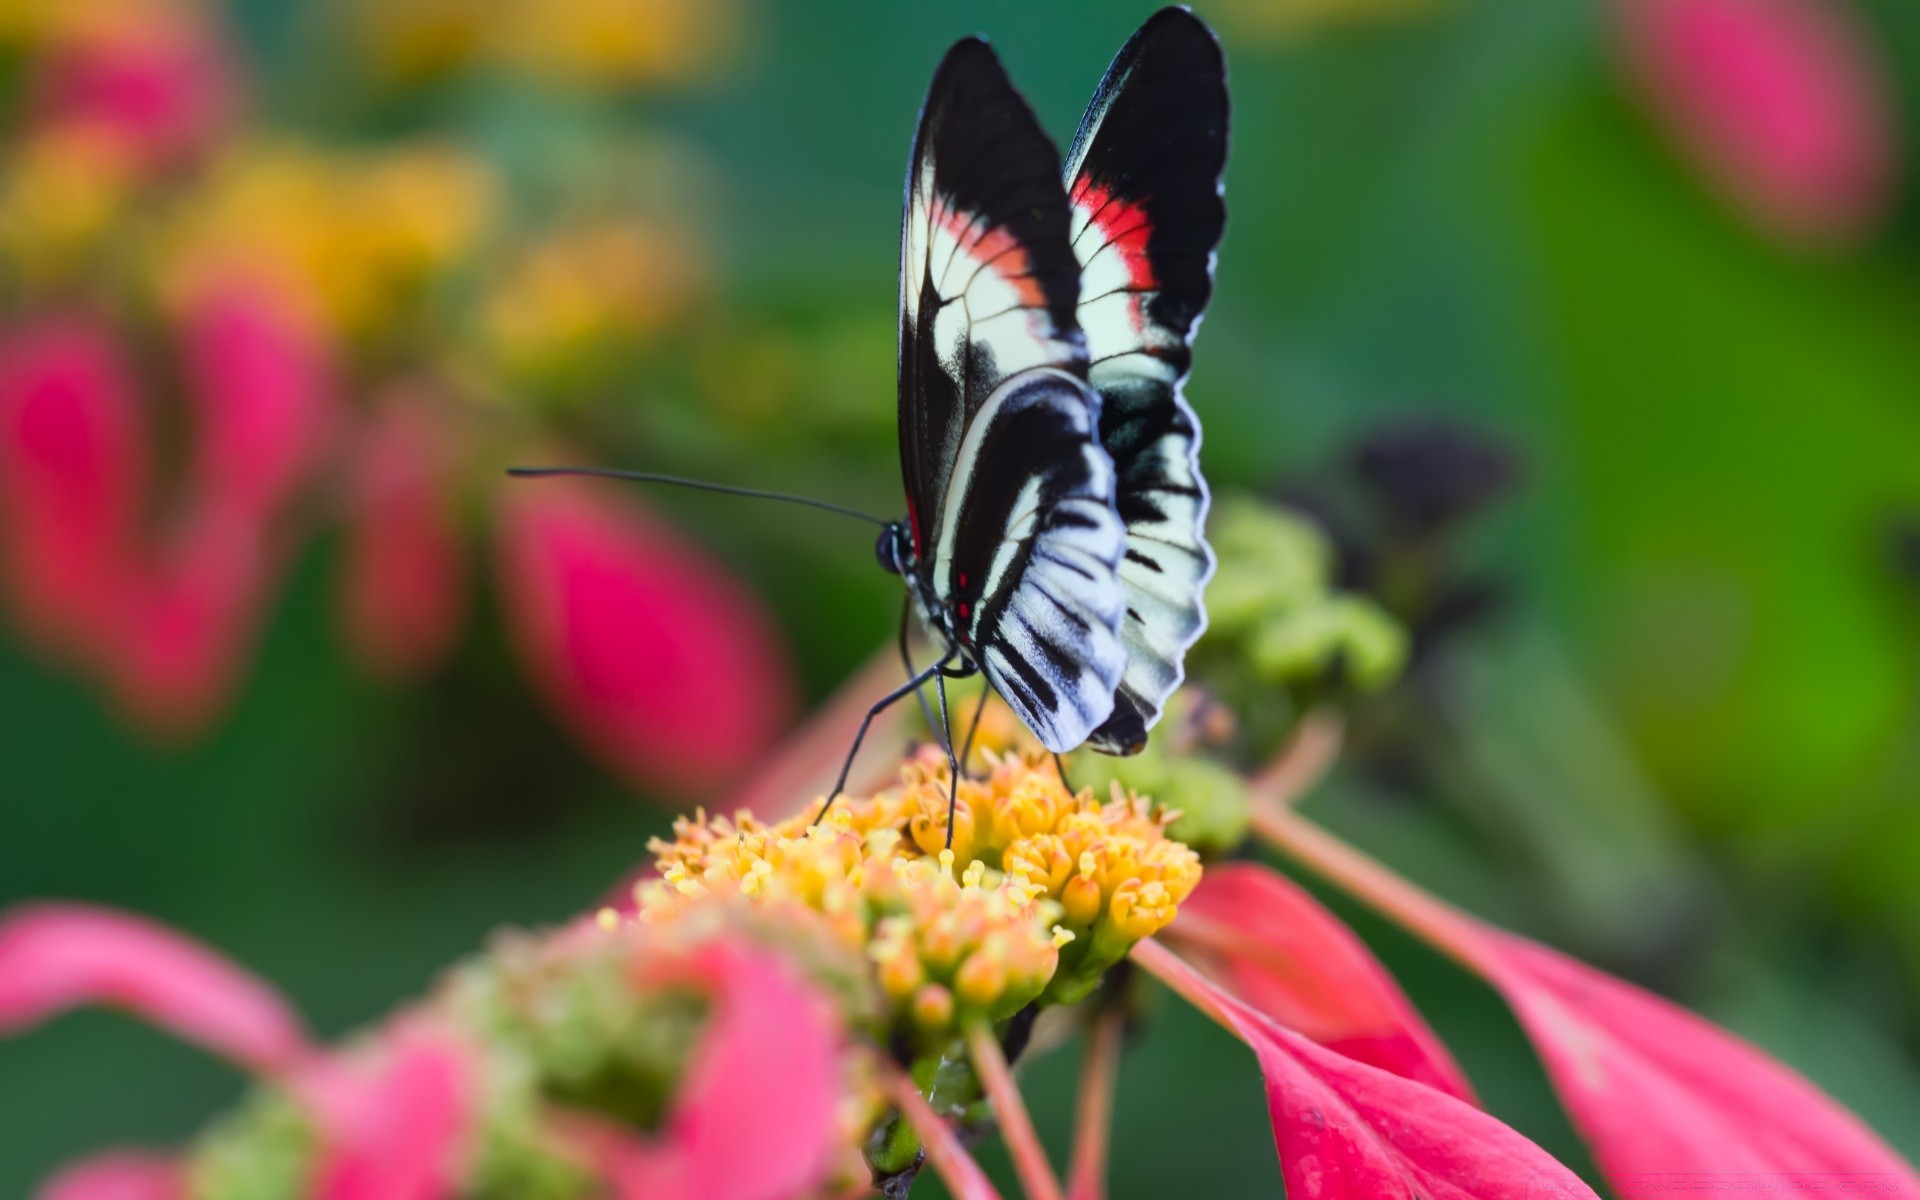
(885, 702)
(1062, 768)
(979, 710)
(906, 659)
(953, 764)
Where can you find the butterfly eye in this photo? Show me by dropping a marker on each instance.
(888, 550)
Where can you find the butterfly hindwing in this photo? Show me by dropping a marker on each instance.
(1028, 549)
(1143, 179)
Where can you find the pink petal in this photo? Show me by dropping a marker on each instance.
(1279, 950)
(186, 618)
(755, 1117)
(1783, 103)
(156, 78)
(117, 1175)
(658, 660)
(1653, 1089)
(73, 467)
(1657, 1091)
(54, 957)
(399, 1131)
(403, 594)
(1345, 1129)
(258, 377)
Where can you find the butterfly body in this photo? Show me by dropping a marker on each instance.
(1055, 505)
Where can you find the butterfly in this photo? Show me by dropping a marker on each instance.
(1055, 505)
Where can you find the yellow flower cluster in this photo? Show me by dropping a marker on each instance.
(358, 233)
(1040, 892)
(590, 43)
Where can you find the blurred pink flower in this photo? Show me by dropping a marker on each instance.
(396, 1128)
(54, 957)
(72, 473)
(756, 1112)
(187, 616)
(258, 373)
(1783, 104)
(157, 79)
(117, 1175)
(650, 652)
(403, 585)
(165, 612)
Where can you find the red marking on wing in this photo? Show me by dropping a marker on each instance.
(1123, 225)
(996, 250)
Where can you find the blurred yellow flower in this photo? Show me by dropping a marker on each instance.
(596, 43)
(567, 299)
(61, 193)
(1277, 20)
(353, 234)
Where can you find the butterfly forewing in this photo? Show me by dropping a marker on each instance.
(988, 281)
(1010, 494)
(1143, 180)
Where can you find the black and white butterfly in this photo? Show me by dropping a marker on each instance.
(1055, 506)
(1053, 537)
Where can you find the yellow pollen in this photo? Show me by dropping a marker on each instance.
(1061, 936)
(975, 872)
(946, 859)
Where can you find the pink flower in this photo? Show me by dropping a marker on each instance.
(402, 593)
(187, 615)
(1652, 1088)
(1345, 1129)
(397, 1128)
(1783, 104)
(1279, 949)
(653, 655)
(117, 1175)
(72, 471)
(156, 78)
(258, 372)
(54, 957)
(755, 1114)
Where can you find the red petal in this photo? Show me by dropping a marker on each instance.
(756, 1116)
(1783, 102)
(57, 956)
(658, 659)
(187, 618)
(403, 593)
(1659, 1091)
(1282, 952)
(117, 1175)
(1345, 1129)
(72, 471)
(399, 1131)
(1653, 1088)
(258, 379)
(155, 78)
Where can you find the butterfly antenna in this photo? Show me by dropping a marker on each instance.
(696, 484)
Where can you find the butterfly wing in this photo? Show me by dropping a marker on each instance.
(1009, 493)
(1143, 180)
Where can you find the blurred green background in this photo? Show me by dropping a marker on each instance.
(1684, 745)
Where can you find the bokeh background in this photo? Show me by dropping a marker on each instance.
(1589, 331)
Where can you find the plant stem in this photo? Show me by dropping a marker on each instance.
(1087, 1178)
(1023, 1144)
(1304, 761)
(1166, 966)
(945, 1155)
(1347, 868)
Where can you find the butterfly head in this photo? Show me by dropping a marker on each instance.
(895, 548)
